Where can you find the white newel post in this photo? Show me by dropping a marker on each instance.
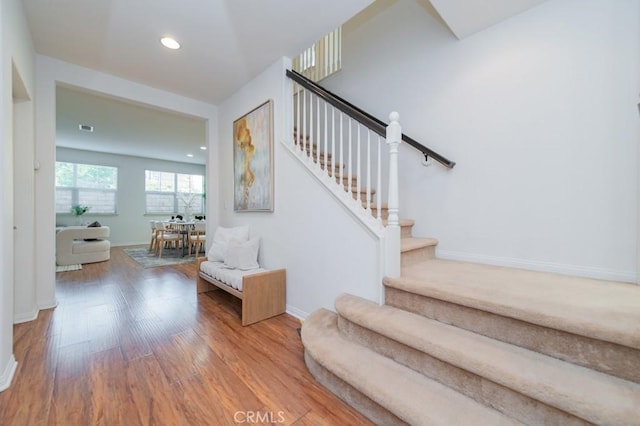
(392, 232)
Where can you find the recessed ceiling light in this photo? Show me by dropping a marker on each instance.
(170, 43)
(204, 148)
(189, 155)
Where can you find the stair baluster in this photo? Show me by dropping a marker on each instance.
(392, 231)
(326, 136)
(358, 171)
(351, 176)
(350, 159)
(333, 141)
(379, 183)
(304, 120)
(298, 135)
(368, 170)
(341, 148)
(317, 138)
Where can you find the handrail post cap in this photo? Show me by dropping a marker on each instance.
(394, 116)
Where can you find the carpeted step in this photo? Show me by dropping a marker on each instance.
(405, 227)
(345, 179)
(335, 164)
(416, 250)
(539, 389)
(588, 322)
(333, 167)
(384, 210)
(305, 144)
(299, 139)
(356, 399)
(362, 195)
(405, 393)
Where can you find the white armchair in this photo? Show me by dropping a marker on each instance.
(80, 244)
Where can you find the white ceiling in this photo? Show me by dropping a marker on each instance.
(467, 17)
(225, 43)
(126, 128)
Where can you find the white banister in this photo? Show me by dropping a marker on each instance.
(392, 231)
(334, 152)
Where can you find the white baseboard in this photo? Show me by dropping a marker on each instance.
(26, 316)
(7, 375)
(558, 268)
(130, 244)
(30, 316)
(47, 304)
(300, 314)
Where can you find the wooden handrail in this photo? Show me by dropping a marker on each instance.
(376, 125)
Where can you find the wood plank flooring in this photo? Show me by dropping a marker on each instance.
(134, 346)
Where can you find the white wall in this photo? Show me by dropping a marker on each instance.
(52, 72)
(25, 306)
(539, 112)
(16, 51)
(323, 249)
(130, 225)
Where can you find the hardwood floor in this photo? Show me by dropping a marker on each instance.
(134, 346)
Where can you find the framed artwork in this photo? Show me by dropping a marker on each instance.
(253, 160)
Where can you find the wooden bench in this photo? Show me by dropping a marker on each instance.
(263, 294)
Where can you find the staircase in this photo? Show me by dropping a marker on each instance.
(459, 343)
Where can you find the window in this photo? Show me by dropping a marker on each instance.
(173, 193)
(87, 185)
(322, 59)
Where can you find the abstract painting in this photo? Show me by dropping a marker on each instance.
(253, 160)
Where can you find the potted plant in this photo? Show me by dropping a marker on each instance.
(78, 210)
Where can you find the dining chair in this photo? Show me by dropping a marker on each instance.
(166, 235)
(154, 235)
(197, 237)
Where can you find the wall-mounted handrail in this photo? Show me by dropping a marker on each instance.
(376, 125)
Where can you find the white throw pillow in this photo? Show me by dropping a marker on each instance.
(222, 237)
(242, 255)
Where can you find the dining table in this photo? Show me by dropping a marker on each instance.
(182, 228)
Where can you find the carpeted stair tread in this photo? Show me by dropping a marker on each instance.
(363, 190)
(404, 392)
(585, 393)
(408, 244)
(383, 205)
(403, 222)
(604, 310)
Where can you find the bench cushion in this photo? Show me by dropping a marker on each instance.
(231, 277)
(242, 254)
(222, 237)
